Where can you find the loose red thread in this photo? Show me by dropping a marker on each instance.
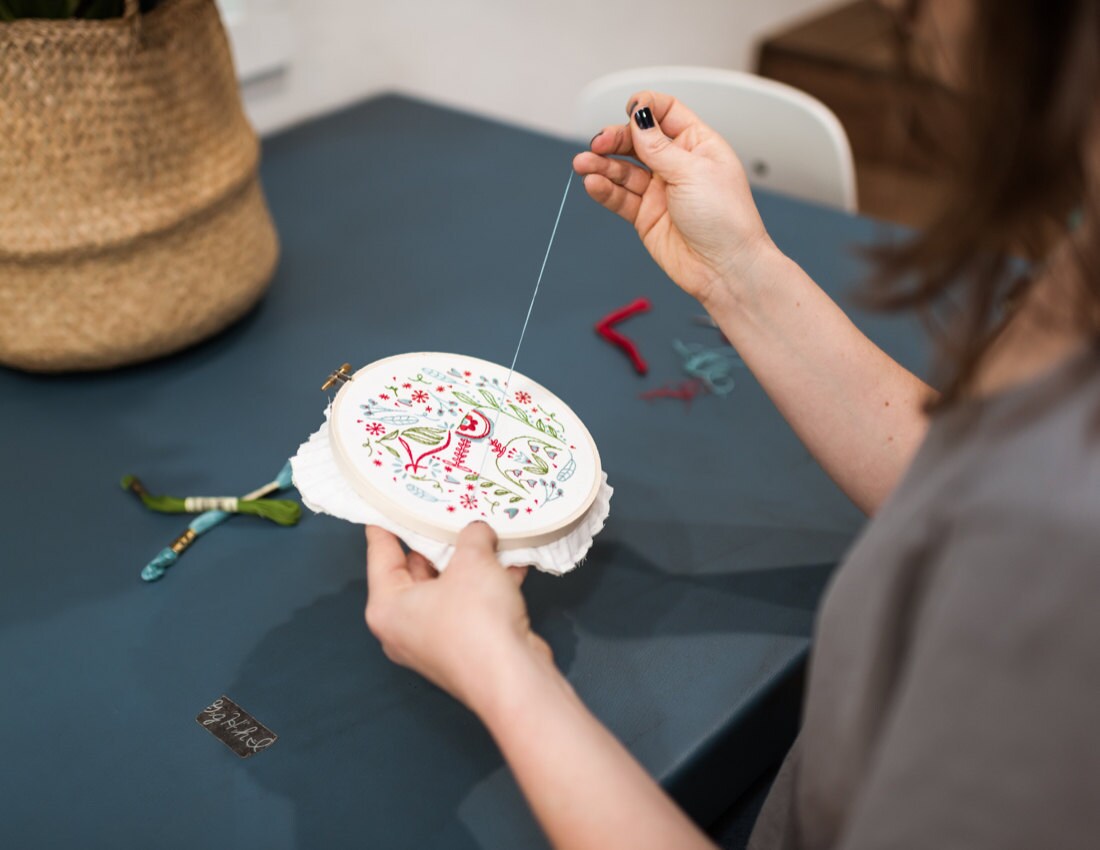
(605, 330)
(686, 391)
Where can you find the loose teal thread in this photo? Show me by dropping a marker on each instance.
(713, 366)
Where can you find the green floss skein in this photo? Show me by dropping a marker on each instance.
(281, 511)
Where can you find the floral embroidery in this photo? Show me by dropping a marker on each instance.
(460, 439)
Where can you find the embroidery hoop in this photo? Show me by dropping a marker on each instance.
(335, 475)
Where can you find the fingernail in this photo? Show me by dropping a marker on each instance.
(644, 118)
(630, 109)
(594, 138)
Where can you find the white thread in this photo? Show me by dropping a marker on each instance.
(530, 308)
(535, 294)
(198, 504)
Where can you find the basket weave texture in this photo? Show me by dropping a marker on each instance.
(132, 222)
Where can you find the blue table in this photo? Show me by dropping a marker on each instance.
(405, 226)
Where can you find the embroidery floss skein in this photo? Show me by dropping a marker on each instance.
(203, 523)
(281, 511)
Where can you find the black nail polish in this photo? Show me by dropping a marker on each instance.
(644, 118)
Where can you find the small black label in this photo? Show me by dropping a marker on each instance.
(235, 727)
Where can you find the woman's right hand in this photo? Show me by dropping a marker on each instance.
(692, 208)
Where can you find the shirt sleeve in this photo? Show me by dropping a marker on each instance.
(992, 739)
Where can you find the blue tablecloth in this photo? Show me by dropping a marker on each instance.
(405, 226)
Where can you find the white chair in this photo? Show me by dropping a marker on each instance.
(787, 140)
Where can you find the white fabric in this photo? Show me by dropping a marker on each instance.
(324, 489)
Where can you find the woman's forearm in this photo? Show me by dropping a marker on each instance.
(585, 789)
(857, 410)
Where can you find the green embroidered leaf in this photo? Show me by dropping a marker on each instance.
(515, 499)
(465, 399)
(540, 426)
(487, 484)
(392, 451)
(424, 435)
(490, 399)
(538, 467)
(390, 436)
(473, 476)
(521, 414)
(500, 492)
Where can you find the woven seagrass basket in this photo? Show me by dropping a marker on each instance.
(132, 223)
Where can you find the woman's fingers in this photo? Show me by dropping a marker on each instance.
(672, 115)
(614, 197)
(420, 568)
(657, 149)
(614, 140)
(631, 177)
(476, 543)
(517, 574)
(387, 566)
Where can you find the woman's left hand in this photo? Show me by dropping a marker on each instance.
(462, 628)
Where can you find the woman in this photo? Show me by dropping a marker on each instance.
(953, 692)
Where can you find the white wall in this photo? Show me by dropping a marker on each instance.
(521, 61)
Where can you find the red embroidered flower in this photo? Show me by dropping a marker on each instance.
(450, 509)
(383, 396)
(523, 397)
(528, 510)
(469, 502)
(440, 389)
(376, 429)
(420, 396)
(407, 386)
(377, 462)
(467, 374)
(497, 447)
(470, 487)
(475, 425)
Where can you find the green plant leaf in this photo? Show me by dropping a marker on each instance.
(465, 399)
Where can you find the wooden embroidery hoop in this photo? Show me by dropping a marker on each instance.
(422, 522)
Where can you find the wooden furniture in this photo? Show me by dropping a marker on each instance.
(848, 58)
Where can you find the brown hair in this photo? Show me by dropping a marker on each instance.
(1026, 103)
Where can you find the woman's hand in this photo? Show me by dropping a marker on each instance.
(461, 629)
(692, 207)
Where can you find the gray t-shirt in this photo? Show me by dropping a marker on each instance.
(954, 688)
